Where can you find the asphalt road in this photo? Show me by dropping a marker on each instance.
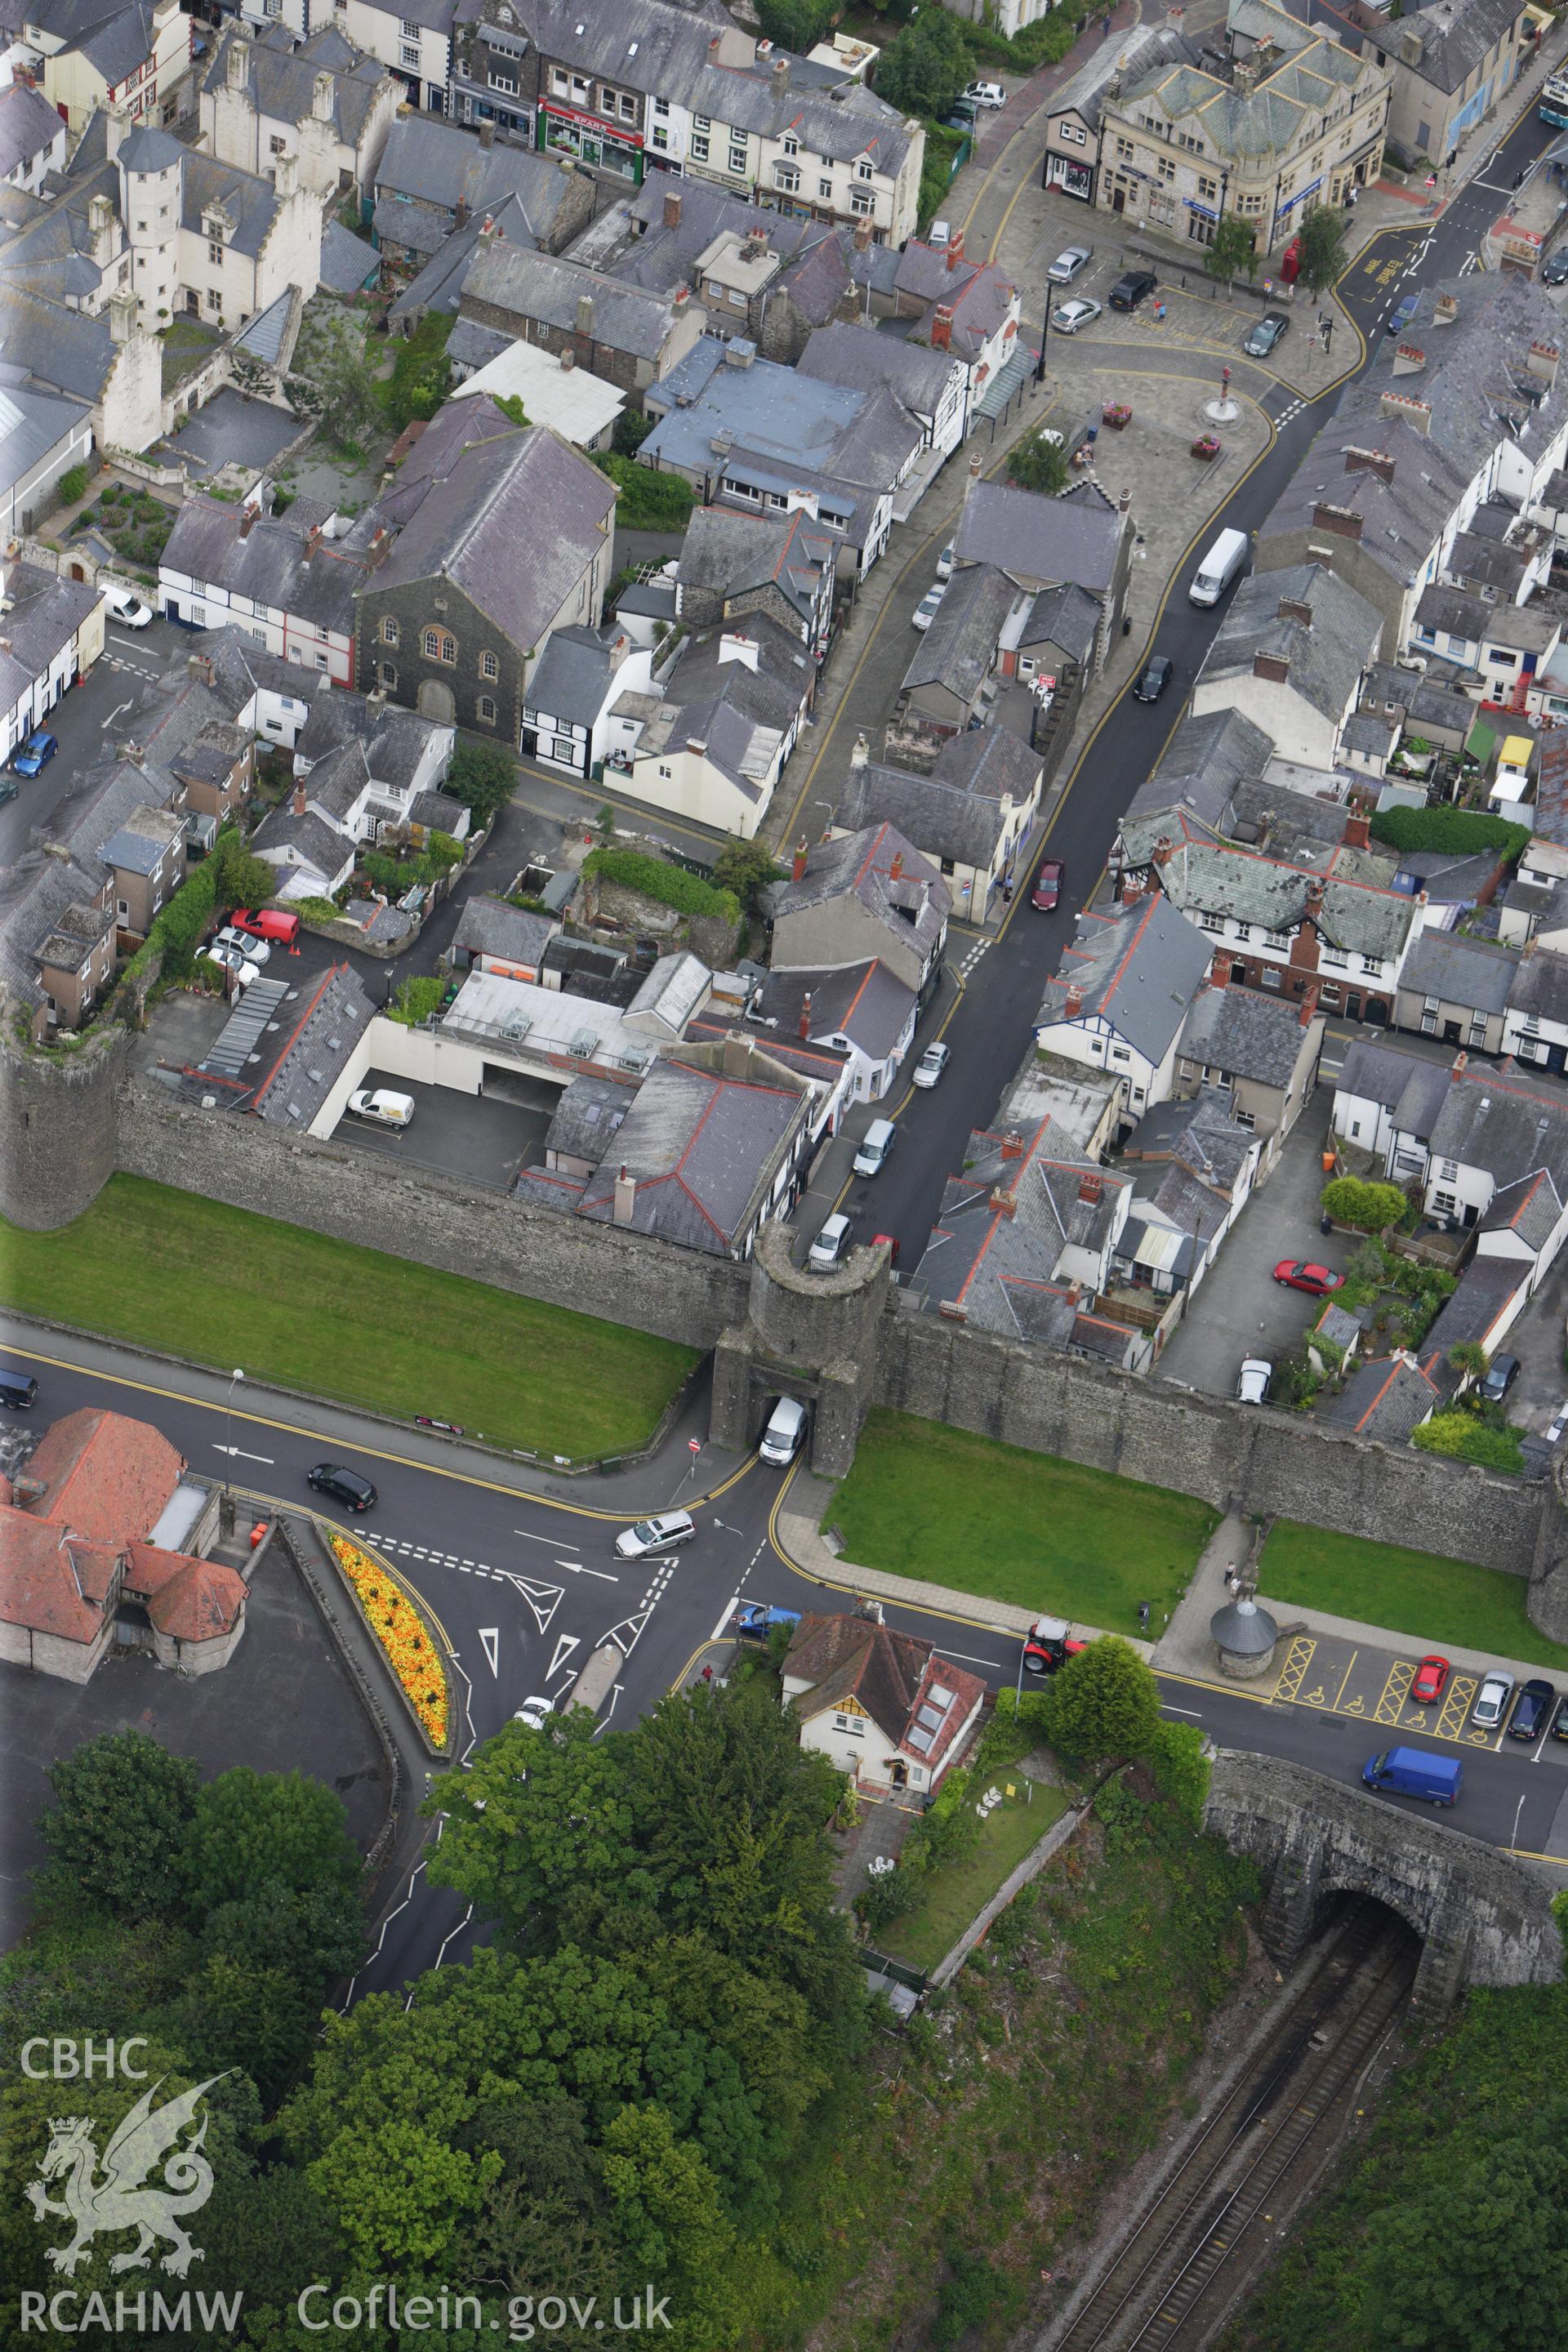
(991, 1025)
(526, 1586)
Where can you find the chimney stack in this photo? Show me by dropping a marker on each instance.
(246, 521)
(626, 1196)
(1074, 1004)
(585, 316)
(806, 1014)
(672, 207)
(976, 466)
(797, 868)
(1461, 1064)
(1291, 608)
(1309, 1004)
(299, 797)
(1220, 970)
(1089, 1188)
(1012, 1145)
(487, 134)
(1164, 850)
(941, 341)
(1357, 833)
(862, 235)
(895, 870)
(955, 248)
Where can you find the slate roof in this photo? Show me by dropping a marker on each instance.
(894, 1677)
(148, 149)
(1471, 1312)
(1138, 969)
(914, 902)
(1411, 1087)
(1529, 1208)
(317, 842)
(588, 1117)
(28, 127)
(575, 675)
(272, 562)
(495, 496)
(1362, 916)
(1308, 77)
(140, 843)
(1505, 1123)
(703, 1149)
(1326, 656)
(1194, 1156)
(280, 79)
(863, 1003)
(1541, 986)
(1139, 50)
(347, 262)
(1204, 761)
(1385, 1398)
(313, 1054)
(958, 650)
(1067, 616)
(728, 554)
(978, 295)
(861, 357)
(1472, 972)
(528, 286)
(1455, 39)
(1038, 541)
(991, 763)
(959, 821)
(1244, 1034)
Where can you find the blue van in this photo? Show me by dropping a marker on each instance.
(1412, 1772)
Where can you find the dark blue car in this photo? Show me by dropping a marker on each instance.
(36, 753)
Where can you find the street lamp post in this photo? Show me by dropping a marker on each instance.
(1513, 1840)
(1045, 337)
(235, 1379)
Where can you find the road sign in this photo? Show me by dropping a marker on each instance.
(694, 1445)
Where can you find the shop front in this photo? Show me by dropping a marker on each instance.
(599, 146)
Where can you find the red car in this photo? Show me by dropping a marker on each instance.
(1048, 883)
(1429, 1681)
(1297, 1273)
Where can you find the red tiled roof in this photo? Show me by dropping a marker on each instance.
(104, 1476)
(190, 1600)
(52, 1581)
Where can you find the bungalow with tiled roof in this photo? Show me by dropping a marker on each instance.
(880, 1704)
(99, 1545)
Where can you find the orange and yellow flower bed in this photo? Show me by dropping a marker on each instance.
(403, 1634)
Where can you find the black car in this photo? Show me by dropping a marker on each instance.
(1155, 680)
(1135, 287)
(1271, 329)
(1556, 270)
(1501, 1374)
(345, 1487)
(1530, 1709)
(1560, 1720)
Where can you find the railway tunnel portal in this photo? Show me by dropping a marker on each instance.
(1482, 1917)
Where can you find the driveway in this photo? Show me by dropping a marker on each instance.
(483, 1140)
(1239, 1309)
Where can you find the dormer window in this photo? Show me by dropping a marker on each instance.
(791, 144)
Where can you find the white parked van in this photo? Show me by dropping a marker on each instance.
(782, 1436)
(1219, 568)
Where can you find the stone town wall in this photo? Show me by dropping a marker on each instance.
(434, 1220)
(57, 1130)
(1262, 1462)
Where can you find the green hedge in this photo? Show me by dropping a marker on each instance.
(671, 885)
(1461, 832)
(1466, 1438)
(648, 501)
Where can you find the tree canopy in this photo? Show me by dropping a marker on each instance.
(122, 1805)
(1322, 248)
(1104, 1701)
(926, 65)
(1038, 463)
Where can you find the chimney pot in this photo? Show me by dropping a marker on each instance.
(895, 871)
(1089, 1188)
(1461, 1064)
(806, 1014)
(1074, 1004)
(797, 868)
(1012, 1145)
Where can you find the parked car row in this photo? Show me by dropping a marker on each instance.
(1524, 1710)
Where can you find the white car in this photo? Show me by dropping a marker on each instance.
(667, 1532)
(231, 959)
(382, 1107)
(254, 950)
(944, 563)
(1492, 1701)
(535, 1712)
(828, 1250)
(1068, 263)
(1068, 317)
(985, 93)
(931, 1065)
(925, 612)
(1252, 1381)
(128, 610)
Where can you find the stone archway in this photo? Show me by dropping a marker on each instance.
(436, 701)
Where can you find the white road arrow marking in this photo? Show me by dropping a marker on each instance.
(575, 1568)
(544, 1599)
(490, 1637)
(238, 1454)
(564, 1649)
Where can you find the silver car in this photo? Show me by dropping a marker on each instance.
(231, 959)
(931, 1065)
(1252, 1381)
(925, 612)
(1492, 1700)
(1068, 317)
(535, 1712)
(1069, 263)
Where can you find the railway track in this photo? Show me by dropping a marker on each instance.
(1162, 2290)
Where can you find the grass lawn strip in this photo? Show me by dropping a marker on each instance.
(195, 1278)
(1433, 1600)
(926, 1501)
(959, 1891)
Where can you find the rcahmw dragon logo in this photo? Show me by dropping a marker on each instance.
(118, 2200)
